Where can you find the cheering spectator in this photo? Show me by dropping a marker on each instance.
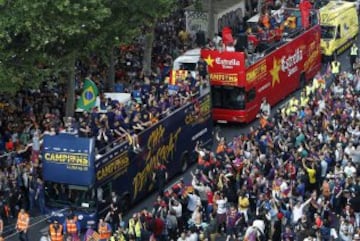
(346, 229)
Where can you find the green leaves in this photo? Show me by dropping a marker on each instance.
(44, 32)
(39, 32)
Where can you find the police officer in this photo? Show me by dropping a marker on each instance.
(119, 235)
(353, 55)
(22, 225)
(335, 67)
(56, 231)
(72, 227)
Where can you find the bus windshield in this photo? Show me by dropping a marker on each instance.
(188, 66)
(327, 32)
(228, 97)
(63, 195)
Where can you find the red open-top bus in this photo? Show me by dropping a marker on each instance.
(241, 80)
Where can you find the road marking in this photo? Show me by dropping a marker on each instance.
(222, 121)
(44, 230)
(10, 227)
(34, 221)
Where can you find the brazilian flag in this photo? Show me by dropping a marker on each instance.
(88, 96)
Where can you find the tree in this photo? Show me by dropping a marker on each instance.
(119, 28)
(39, 38)
(151, 12)
(128, 20)
(42, 38)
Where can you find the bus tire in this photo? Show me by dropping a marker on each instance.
(302, 80)
(184, 162)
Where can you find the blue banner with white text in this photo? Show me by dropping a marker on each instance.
(68, 159)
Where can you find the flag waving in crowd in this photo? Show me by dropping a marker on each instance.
(88, 96)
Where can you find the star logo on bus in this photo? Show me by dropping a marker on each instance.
(275, 72)
(209, 61)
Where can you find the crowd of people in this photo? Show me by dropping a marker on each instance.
(297, 173)
(30, 114)
(296, 177)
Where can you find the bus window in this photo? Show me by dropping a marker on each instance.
(338, 32)
(228, 97)
(58, 195)
(327, 32)
(251, 95)
(216, 96)
(188, 66)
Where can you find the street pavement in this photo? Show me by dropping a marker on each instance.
(39, 224)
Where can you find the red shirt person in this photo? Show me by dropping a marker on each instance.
(305, 7)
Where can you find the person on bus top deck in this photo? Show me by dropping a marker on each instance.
(265, 20)
(305, 7)
(228, 40)
(230, 47)
(202, 68)
(290, 23)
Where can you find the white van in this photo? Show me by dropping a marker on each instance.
(188, 61)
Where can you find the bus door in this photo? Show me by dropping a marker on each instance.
(103, 193)
(252, 104)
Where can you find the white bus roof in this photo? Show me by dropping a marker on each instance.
(189, 57)
(192, 52)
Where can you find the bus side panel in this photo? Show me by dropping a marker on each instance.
(113, 171)
(289, 62)
(312, 65)
(256, 78)
(166, 142)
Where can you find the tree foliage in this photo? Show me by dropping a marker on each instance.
(152, 13)
(39, 37)
(42, 38)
